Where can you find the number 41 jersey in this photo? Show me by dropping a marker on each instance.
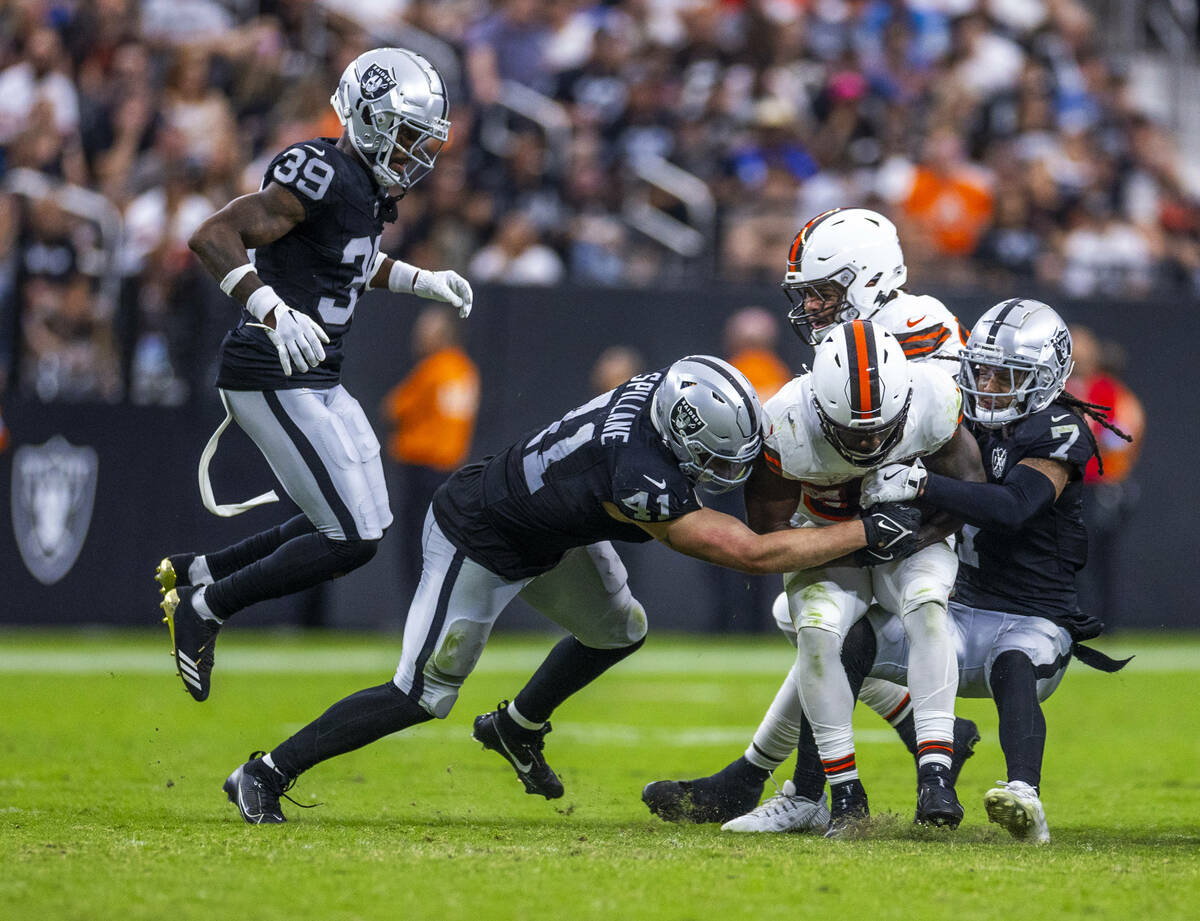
(319, 267)
(519, 511)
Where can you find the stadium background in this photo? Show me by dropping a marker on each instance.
(620, 173)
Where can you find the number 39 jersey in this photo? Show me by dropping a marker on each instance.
(798, 450)
(319, 268)
(1033, 570)
(519, 511)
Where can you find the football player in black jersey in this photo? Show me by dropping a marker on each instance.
(536, 521)
(314, 230)
(1015, 610)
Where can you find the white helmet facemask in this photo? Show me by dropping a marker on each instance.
(393, 105)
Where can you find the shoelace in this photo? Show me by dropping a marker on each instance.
(284, 791)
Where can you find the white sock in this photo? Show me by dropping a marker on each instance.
(198, 573)
(932, 681)
(779, 732)
(520, 720)
(200, 606)
(825, 695)
(891, 701)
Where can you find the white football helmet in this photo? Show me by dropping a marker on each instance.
(391, 101)
(843, 265)
(709, 415)
(862, 388)
(1016, 362)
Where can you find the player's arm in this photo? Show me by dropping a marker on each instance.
(958, 458)
(771, 499)
(1032, 486)
(402, 278)
(222, 245)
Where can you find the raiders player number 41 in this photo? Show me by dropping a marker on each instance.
(297, 255)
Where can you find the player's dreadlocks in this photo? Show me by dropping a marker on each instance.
(1094, 411)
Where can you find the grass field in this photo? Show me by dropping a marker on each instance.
(111, 806)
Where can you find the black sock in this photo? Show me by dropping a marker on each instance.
(226, 562)
(569, 667)
(907, 730)
(351, 723)
(809, 776)
(1022, 724)
(300, 563)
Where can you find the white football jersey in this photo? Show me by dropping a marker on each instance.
(798, 450)
(924, 327)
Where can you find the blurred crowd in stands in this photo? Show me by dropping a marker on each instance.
(666, 141)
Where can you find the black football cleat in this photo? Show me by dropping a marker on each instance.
(255, 789)
(522, 748)
(937, 803)
(193, 639)
(849, 811)
(966, 737)
(720, 797)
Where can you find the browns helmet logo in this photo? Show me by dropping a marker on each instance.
(376, 82)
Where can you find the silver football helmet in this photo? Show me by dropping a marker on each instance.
(709, 415)
(862, 389)
(844, 264)
(393, 105)
(1016, 362)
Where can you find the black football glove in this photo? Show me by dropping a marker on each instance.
(891, 533)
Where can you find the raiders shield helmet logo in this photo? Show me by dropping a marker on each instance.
(53, 490)
(685, 421)
(376, 82)
(999, 461)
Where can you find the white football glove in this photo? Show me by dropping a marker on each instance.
(893, 483)
(297, 337)
(447, 286)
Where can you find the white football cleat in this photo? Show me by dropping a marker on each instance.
(783, 812)
(1015, 806)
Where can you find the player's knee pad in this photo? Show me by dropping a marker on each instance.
(816, 647)
(351, 554)
(782, 612)
(436, 698)
(623, 625)
(926, 617)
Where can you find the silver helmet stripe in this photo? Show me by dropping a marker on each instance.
(998, 323)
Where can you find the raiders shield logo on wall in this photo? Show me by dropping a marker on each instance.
(999, 461)
(376, 82)
(53, 490)
(684, 419)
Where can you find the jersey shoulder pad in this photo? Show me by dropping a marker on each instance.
(790, 448)
(308, 170)
(1054, 433)
(922, 325)
(650, 487)
(937, 405)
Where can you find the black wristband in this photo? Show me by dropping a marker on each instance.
(1003, 506)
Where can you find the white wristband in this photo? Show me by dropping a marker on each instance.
(230, 281)
(380, 258)
(262, 301)
(403, 278)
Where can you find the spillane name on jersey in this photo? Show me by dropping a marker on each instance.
(924, 327)
(797, 449)
(519, 511)
(1033, 570)
(319, 267)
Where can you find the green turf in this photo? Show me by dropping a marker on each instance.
(111, 808)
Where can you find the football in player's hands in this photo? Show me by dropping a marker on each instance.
(447, 286)
(891, 533)
(893, 483)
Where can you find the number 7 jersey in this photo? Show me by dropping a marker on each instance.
(319, 267)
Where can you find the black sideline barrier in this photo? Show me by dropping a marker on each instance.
(535, 349)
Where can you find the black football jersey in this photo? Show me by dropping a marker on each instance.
(1033, 570)
(519, 511)
(320, 267)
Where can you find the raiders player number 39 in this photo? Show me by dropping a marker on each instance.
(297, 255)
